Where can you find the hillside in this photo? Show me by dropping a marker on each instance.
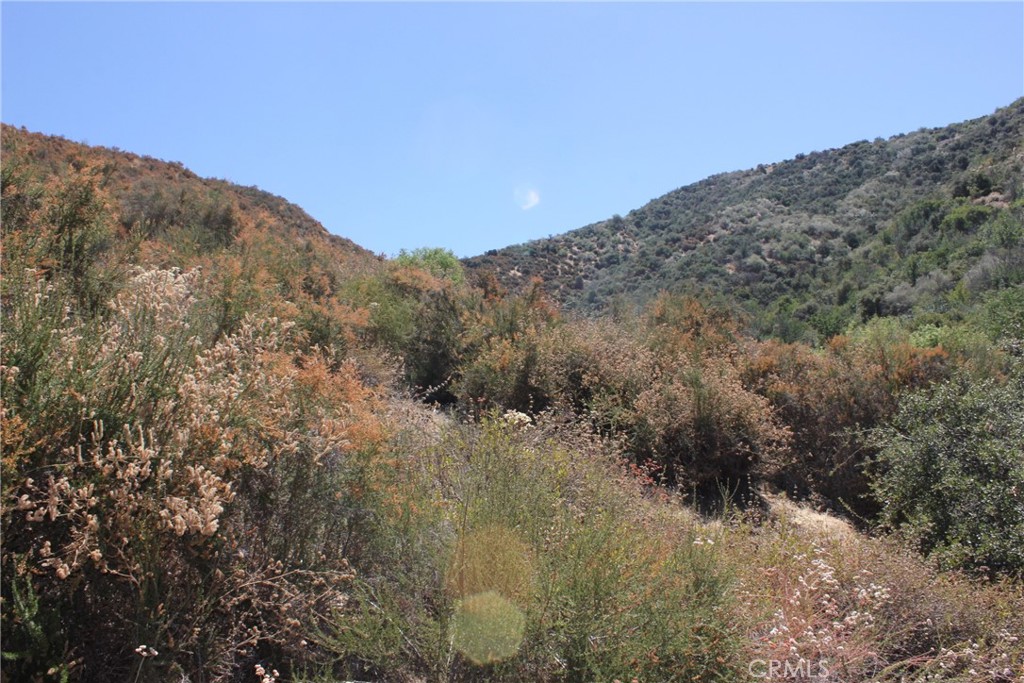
(177, 214)
(234, 448)
(809, 244)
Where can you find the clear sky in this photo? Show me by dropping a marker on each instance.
(473, 126)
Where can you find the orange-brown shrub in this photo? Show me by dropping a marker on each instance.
(682, 324)
(701, 424)
(673, 391)
(165, 492)
(828, 398)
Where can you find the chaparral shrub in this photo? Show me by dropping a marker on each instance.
(950, 473)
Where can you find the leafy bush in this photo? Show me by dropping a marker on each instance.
(950, 473)
(64, 226)
(437, 261)
(418, 316)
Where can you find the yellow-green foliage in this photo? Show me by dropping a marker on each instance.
(554, 553)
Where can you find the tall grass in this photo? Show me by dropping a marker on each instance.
(552, 546)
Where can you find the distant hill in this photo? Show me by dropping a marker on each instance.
(809, 244)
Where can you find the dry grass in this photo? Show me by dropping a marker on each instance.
(852, 608)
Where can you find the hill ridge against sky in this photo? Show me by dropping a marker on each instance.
(472, 126)
(775, 230)
(125, 169)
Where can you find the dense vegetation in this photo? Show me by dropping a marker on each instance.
(236, 448)
(924, 223)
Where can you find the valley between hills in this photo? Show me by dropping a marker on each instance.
(765, 427)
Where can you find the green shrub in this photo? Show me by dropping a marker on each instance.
(950, 473)
(437, 261)
(418, 316)
(1002, 315)
(966, 218)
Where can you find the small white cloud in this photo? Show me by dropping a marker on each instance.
(527, 198)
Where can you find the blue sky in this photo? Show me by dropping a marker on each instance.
(473, 126)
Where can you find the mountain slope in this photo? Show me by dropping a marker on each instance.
(164, 202)
(819, 234)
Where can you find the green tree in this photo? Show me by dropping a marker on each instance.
(438, 261)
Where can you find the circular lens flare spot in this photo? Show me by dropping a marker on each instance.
(487, 628)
